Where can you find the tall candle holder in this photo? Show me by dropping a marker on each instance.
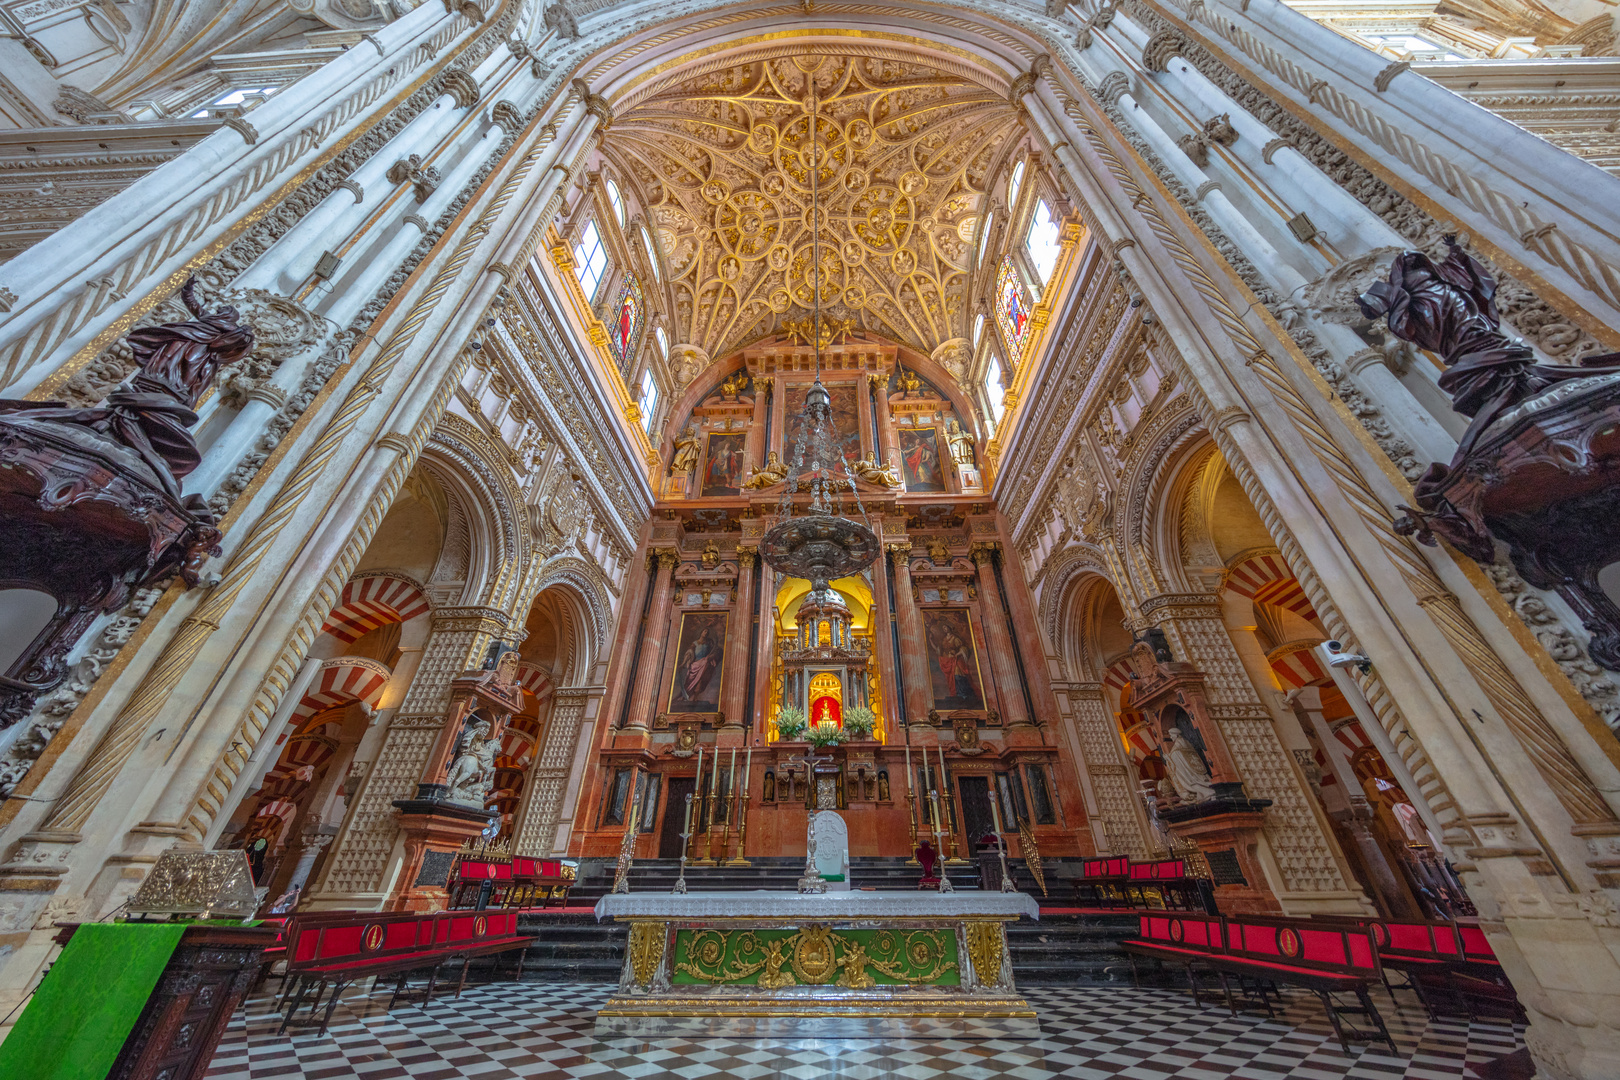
(730, 800)
(950, 831)
(911, 819)
(627, 853)
(945, 885)
(680, 880)
(742, 833)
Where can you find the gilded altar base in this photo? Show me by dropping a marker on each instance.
(836, 965)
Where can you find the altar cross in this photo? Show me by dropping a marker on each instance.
(811, 882)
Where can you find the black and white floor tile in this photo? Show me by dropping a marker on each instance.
(511, 1030)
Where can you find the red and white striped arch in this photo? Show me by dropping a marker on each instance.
(348, 678)
(536, 680)
(1301, 668)
(1118, 675)
(370, 602)
(1266, 579)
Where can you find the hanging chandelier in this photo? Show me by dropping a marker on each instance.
(818, 543)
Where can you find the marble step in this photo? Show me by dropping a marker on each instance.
(1059, 950)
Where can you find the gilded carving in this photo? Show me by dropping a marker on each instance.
(901, 155)
(984, 945)
(646, 949)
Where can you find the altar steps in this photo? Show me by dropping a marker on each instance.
(1062, 949)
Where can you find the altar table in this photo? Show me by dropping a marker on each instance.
(828, 965)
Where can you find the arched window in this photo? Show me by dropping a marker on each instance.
(649, 399)
(984, 237)
(1012, 310)
(1042, 241)
(1014, 184)
(628, 315)
(652, 254)
(617, 201)
(590, 259)
(663, 340)
(993, 390)
(978, 328)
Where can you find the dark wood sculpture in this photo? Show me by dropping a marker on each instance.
(1538, 466)
(90, 499)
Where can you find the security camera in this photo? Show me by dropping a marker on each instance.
(1342, 659)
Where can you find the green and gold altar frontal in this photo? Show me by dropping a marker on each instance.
(831, 965)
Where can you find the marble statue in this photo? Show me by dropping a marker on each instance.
(1186, 770)
(473, 771)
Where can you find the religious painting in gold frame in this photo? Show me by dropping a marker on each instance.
(700, 657)
(953, 659)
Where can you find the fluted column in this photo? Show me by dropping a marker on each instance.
(652, 645)
(734, 689)
(998, 639)
(913, 665)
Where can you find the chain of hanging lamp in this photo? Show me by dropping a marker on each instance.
(822, 543)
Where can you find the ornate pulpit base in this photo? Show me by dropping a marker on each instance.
(835, 965)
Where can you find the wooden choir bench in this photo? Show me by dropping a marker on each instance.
(1117, 882)
(327, 951)
(516, 881)
(1449, 965)
(1330, 961)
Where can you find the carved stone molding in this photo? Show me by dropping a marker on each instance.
(1161, 48)
(462, 87)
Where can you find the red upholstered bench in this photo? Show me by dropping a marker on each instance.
(539, 882)
(469, 875)
(328, 951)
(1102, 882)
(1169, 878)
(1449, 965)
(1326, 959)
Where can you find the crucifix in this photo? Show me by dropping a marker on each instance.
(811, 882)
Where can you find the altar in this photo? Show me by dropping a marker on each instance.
(828, 965)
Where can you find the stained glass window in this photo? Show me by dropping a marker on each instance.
(1012, 310)
(625, 329)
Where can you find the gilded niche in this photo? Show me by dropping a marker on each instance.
(901, 155)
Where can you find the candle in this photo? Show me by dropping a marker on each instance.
(731, 777)
(698, 787)
(687, 831)
(933, 810)
(748, 766)
(995, 808)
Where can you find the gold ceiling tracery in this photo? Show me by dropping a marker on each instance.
(903, 155)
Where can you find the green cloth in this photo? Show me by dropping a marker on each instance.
(87, 1004)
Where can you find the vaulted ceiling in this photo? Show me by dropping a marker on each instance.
(900, 162)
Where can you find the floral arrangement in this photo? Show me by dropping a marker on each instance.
(859, 722)
(825, 734)
(790, 725)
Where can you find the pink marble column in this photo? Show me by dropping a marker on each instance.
(998, 640)
(913, 662)
(734, 679)
(890, 450)
(652, 644)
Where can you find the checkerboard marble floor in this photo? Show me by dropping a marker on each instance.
(508, 1030)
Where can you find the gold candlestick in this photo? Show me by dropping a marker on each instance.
(742, 812)
(950, 811)
(691, 837)
(708, 821)
(725, 834)
(911, 804)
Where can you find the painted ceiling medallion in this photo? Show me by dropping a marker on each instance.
(902, 156)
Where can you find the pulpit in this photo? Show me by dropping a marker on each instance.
(452, 801)
(1207, 804)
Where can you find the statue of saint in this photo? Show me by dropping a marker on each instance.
(1185, 769)
(821, 714)
(774, 471)
(960, 442)
(869, 470)
(687, 449)
(473, 770)
(150, 412)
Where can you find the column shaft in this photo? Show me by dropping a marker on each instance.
(913, 665)
(998, 640)
(652, 646)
